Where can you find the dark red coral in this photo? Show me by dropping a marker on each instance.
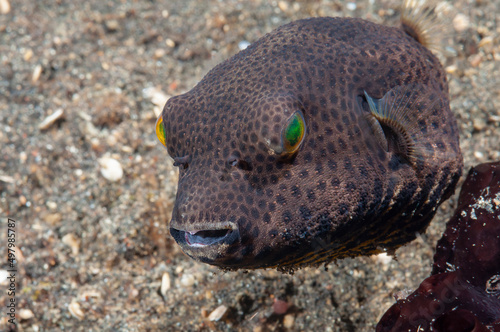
(463, 291)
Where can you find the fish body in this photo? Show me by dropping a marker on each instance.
(326, 138)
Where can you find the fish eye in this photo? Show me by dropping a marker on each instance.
(160, 131)
(293, 133)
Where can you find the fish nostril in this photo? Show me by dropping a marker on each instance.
(182, 161)
(234, 161)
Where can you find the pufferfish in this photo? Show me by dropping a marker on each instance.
(326, 138)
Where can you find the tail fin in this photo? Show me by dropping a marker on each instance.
(420, 19)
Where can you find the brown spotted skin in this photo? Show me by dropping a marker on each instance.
(341, 194)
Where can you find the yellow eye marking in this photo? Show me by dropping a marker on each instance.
(293, 133)
(160, 131)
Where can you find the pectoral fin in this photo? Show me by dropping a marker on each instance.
(394, 119)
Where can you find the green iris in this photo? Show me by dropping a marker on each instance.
(294, 132)
(160, 131)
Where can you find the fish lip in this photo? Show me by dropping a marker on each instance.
(206, 235)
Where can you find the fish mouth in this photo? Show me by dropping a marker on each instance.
(206, 235)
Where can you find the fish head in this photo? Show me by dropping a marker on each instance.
(240, 171)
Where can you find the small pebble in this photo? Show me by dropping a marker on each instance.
(478, 124)
(461, 22)
(475, 60)
(26, 314)
(111, 169)
(73, 242)
(283, 5)
(494, 118)
(23, 157)
(7, 179)
(112, 25)
(28, 54)
(217, 314)
(243, 44)
(3, 276)
(51, 119)
(351, 6)
(53, 218)
(170, 43)
(452, 69)
(133, 292)
(187, 280)
(127, 149)
(280, 307)
(479, 155)
(4, 6)
(450, 51)
(156, 96)
(36, 73)
(165, 284)
(51, 205)
(90, 293)
(383, 258)
(111, 140)
(159, 53)
(75, 310)
(288, 321)
(486, 41)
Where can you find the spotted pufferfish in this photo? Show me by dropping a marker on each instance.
(326, 138)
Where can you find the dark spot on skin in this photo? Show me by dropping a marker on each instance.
(322, 185)
(331, 148)
(287, 217)
(332, 165)
(254, 213)
(244, 209)
(281, 200)
(343, 208)
(295, 191)
(310, 195)
(305, 213)
(350, 186)
(255, 232)
(342, 144)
